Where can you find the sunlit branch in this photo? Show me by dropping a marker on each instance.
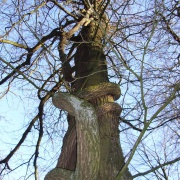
(14, 43)
(64, 37)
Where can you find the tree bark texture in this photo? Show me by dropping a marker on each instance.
(103, 154)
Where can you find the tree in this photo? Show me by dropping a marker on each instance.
(81, 53)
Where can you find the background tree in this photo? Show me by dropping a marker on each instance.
(81, 47)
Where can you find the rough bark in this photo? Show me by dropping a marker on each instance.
(92, 84)
(88, 145)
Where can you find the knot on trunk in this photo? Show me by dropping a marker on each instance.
(102, 96)
(102, 89)
(108, 107)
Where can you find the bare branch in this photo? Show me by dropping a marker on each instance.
(157, 167)
(14, 44)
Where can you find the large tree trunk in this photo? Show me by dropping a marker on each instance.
(92, 85)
